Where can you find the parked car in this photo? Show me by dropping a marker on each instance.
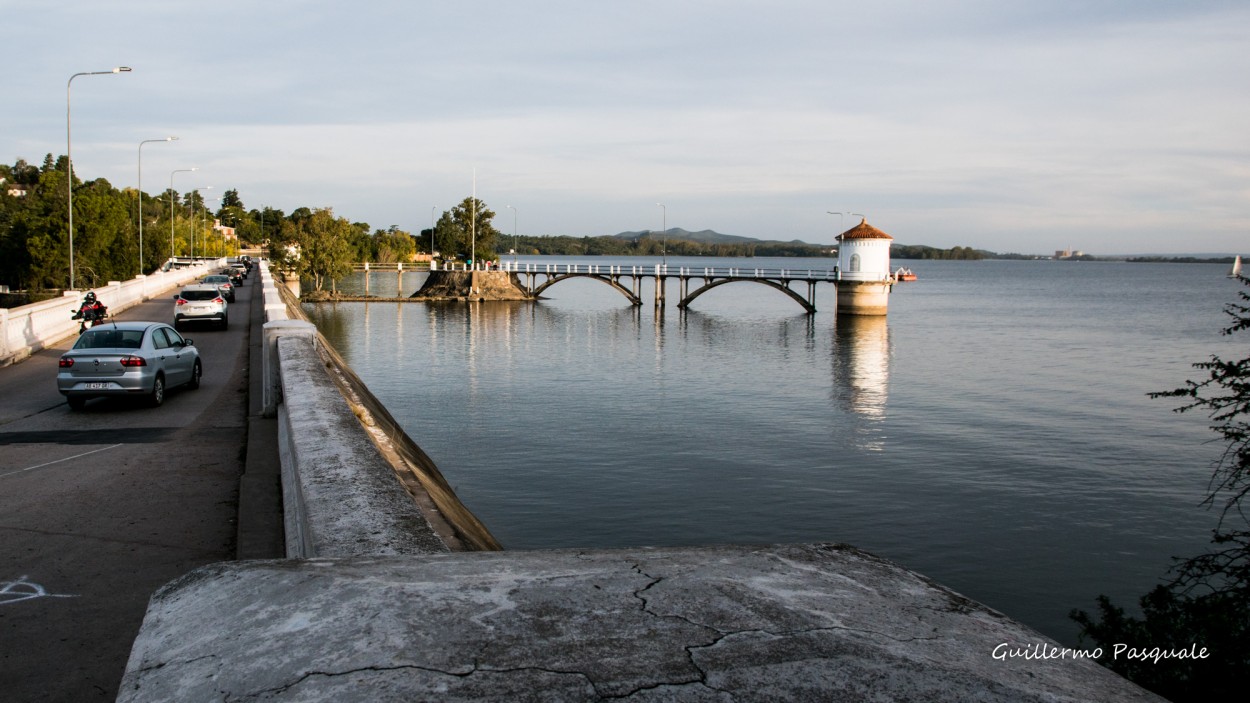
(223, 282)
(201, 302)
(140, 359)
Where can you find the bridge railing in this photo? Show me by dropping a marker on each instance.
(555, 269)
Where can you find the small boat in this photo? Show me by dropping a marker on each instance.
(904, 274)
(1236, 270)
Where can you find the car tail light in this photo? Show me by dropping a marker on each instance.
(65, 362)
(133, 361)
(219, 299)
(180, 301)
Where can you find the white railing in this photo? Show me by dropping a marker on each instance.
(555, 269)
(28, 328)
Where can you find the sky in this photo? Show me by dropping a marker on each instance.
(1108, 126)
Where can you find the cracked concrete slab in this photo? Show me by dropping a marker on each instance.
(795, 622)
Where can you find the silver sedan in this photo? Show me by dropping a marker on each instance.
(128, 359)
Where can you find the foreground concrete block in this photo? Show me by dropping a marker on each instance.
(807, 622)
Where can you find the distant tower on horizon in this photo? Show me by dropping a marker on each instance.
(864, 277)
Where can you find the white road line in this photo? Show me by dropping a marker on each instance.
(68, 458)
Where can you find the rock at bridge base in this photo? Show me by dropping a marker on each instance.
(471, 285)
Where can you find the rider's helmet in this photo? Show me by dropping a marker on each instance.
(90, 297)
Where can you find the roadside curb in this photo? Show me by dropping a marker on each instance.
(260, 532)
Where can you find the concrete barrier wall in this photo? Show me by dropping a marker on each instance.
(26, 329)
(341, 497)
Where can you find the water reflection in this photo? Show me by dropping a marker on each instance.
(382, 284)
(861, 374)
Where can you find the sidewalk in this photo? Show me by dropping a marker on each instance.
(260, 531)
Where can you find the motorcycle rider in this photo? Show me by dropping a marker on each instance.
(91, 310)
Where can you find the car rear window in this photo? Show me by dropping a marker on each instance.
(110, 339)
(216, 279)
(199, 294)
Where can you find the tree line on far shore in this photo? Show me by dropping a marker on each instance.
(653, 244)
(34, 234)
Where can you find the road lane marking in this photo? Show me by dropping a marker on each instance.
(68, 458)
(21, 589)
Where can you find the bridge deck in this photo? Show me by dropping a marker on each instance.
(711, 277)
(664, 270)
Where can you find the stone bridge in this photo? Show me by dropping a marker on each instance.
(627, 279)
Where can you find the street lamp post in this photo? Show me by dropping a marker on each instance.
(207, 232)
(69, 160)
(513, 235)
(145, 141)
(237, 228)
(473, 225)
(664, 222)
(194, 221)
(171, 210)
(432, 209)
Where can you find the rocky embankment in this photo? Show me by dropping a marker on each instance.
(471, 285)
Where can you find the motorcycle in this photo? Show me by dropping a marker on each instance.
(90, 314)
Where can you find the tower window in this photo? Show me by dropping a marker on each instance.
(854, 263)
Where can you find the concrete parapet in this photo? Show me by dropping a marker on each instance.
(275, 307)
(340, 498)
(802, 622)
(272, 381)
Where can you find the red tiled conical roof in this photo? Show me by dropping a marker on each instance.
(863, 230)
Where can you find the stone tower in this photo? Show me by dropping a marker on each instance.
(864, 271)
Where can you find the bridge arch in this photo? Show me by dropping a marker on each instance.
(807, 304)
(612, 281)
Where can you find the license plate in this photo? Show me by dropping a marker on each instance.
(97, 386)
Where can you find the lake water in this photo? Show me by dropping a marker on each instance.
(993, 433)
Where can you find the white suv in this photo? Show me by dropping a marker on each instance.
(201, 301)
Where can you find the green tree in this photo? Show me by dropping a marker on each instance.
(230, 199)
(466, 231)
(261, 225)
(393, 245)
(361, 242)
(1207, 601)
(106, 242)
(42, 228)
(325, 247)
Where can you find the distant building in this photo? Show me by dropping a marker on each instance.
(864, 276)
(226, 232)
(864, 253)
(17, 190)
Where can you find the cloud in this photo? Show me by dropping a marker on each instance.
(977, 123)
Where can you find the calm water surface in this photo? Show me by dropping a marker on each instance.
(993, 433)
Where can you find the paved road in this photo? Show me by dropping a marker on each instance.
(99, 508)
